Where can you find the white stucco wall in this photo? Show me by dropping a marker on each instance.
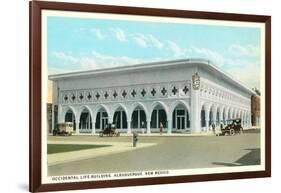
(218, 93)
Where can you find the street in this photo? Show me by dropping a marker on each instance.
(170, 152)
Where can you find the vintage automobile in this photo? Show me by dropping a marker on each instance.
(109, 131)
(63, 129)
(233, 127)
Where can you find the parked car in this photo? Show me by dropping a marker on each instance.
(109, 131)
(63, 129)
(233, 127)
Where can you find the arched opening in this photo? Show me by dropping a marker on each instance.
(246, 119)
(85, 122)
(158, 116)
(101, 119)
(120, 119)
(138, 118)
(224, 116)
(70, 117)
(181, 118)
(211, 117)
(237, 115)
(203, 117)
(233, 114)
(218, 118)
(229, 114)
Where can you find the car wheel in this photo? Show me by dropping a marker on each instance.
(231, 132)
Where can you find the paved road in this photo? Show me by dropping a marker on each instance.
(169, 153)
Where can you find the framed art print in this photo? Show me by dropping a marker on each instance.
(125, 96)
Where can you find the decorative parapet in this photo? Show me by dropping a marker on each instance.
(216, 93)
(175, 89)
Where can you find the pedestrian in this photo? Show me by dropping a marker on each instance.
(161, 128)
(214, 128)
(221, 126)
(142, 127)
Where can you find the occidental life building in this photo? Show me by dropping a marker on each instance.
(186, 96)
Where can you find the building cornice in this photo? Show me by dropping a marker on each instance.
(149, 66)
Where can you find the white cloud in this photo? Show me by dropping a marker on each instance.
(245, 71)
(176, 49)
(65, 57)
(246, 50)
(119, 34)
(208, 54)
(94, 61)
(98, 33)
(52, 70)
(147, 40)
(155, 42)
(140, 40)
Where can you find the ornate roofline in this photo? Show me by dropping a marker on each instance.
(153, 65)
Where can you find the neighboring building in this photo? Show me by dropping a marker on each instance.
(255, 109)
(51, 109)
(184, 95)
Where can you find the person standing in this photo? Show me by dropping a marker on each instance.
(214, 128)
(161, 128)
(221, 125)
(142, 127)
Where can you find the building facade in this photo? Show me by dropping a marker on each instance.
(182, 96)
(255, 110)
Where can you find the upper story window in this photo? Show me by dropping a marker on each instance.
(143, 92)
(106, 95)
(133, 93)
(89, 96)
(185, 89)
(115, 94)
(73, 97)
(121, 93)
(153, 92)
(97, 95)
(174, 90)
(124, 93)
(163, 91)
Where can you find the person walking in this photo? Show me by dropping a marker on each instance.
(161, 128)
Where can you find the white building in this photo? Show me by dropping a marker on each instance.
(184, 95)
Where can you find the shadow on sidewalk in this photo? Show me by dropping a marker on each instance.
(251, 158)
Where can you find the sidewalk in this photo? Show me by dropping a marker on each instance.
(170, 135)
(155, 134)
(117, 147)
(165, 134)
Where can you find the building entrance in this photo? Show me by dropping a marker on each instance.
(104, 122)
(180, 118)
(101, 120)
(180, 122)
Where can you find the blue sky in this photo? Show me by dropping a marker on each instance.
(76, 44)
